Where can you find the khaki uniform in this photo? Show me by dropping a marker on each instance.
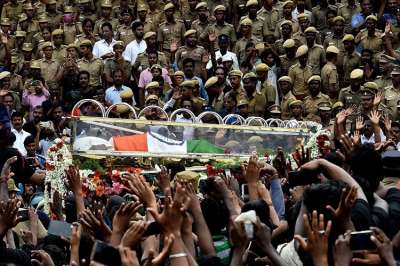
(95, 67)
(97, 26)
(295, 27)
(373, 43)
(16, 83)
(239, 94)
(316, 58)
(189, 15)
(142, 61)
(200, 27)
(169, 31)
(12, 11)
(271, 18)
(79, 38)
(226, 29)
(349, 97)
(3, 54)
(319, 18)
(300, 38)
(240, 47)
(329, 76)
(161, 18)
(350, 62)
(125, 34)
(218, 103)
(278, 46)
(337, 42)
(154, 16)
(269, 92)
(286, 63)
(116, 10)
(33, 28)
(257, 26)
(91, 15)
(195, 53)
(70, 32)
(285, 105)
(384, 81)
(392, 96)
(111, 64)
(311, 103)
(346, 11)
(257, 104)
(49, 70)
(55, 19)
(60, 54)
(300, 76)
(213, 3)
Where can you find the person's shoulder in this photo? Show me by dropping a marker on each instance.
(226, 24)
(297, 65)
(324, 96)
(318, 46)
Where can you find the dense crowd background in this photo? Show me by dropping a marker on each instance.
(335, 63)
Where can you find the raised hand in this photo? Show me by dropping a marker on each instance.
(141, 189)
(8, 215)
(41, 258)
(74, 179)
(342, 252)
(95, 224)
(252, 170)
(6, 170)
(163, 180)
(387, 122)
(341, 117)
(359, 123)
(378, 98)
(343, 211)
(163, 255)
(212, 36)
(133, 235)
(171, 217)
(124, 215)
(374, 116)
(384, 245)
(317, 238)
(356, 137)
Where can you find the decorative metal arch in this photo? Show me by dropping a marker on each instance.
(177, 111)
(81, 102)
(152, 106)
(256, 119)
(109, 109)
(203, 114)
(240, 118)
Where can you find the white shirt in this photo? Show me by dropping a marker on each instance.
(218, 55)
(102, 47)
(371, 140)
(133, 49)
(19, 140)
(188, 132)
(113, 95)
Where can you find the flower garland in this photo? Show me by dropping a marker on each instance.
(58, 160)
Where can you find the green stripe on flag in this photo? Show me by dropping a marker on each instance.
(202, 146)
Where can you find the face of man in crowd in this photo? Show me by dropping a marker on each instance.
(187, 92)
(188, 69)
(118, 78)
(304, 23)
(48, 52)
(83, 80)
(142, 15)
(296, 110)
(58, 113)
(366, 6)
(310, 37)
(87, 28)
(139, 32)
(314, 87)
(203, 13)
(107, 33)
(339, 27)
(286, 30)
(8, 102)
(106, 12)
(367, 102)
(235, 81)
(191, 40)
(229, 103)
(220, 74)
(220, 15)
(37, 115)
(169, 14)
(285, 87)
(16, 122)
(58, 39)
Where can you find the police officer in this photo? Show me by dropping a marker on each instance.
(300, 73)
(316, 53)
(288, 59)
(246, 31)
(329, 73)
(392, 93)
(352, 95)
(285, 85)
(370, 38)
(257, 101)
(351, 59)
(91, 64)
(258, 21)
(315, 96)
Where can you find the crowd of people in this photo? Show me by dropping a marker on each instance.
(336, 63)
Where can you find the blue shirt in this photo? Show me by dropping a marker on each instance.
(357, 20)
(203, 93)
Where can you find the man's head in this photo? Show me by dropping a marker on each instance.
(169, 10)
(314, 85)
(348, 42)
(156, 70)
(366, 7)
(187, 89)
(370, 23)
(48, 50)
(83, 79)
(356, 79)
(366, 56)
(106, 8)
(138, 29)
(220, 73)
(243, 107)
(191, 38)
(85, 48)
(250, 83)
(338, 25)
(304, 21)
(252, 8)
(219, 13)
(58, 37)
(58, 112)
(332, 54)
(30, 146)
(188, 67)
(235, 77)
(287, 28)
(107, 31)
(17, 120)
(302, 55)
(151, 39)
(118, 77)
(8, 101)
(202, 11)
(368, 94)
(230, 102)
(296, 108)
(87, 25)
(37, 114)
(285, 84)
(311, 35)
(262, 71)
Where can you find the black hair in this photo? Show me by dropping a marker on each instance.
(210, 207)
(86, 20)
(126, 11)
(107, 24)
(188, 60)
(159, 79)
(330, 56)
(118, 70)
(28, 140)
(136, 25)
(16, 114)
(83, 72)
(7, 138)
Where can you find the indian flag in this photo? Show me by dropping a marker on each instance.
(156, 143)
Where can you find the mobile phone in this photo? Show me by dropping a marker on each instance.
(24, 213)
(105, 254)
(60, 228)
(228, 173)
(361, 240)
(302, 177)
(152, 229)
